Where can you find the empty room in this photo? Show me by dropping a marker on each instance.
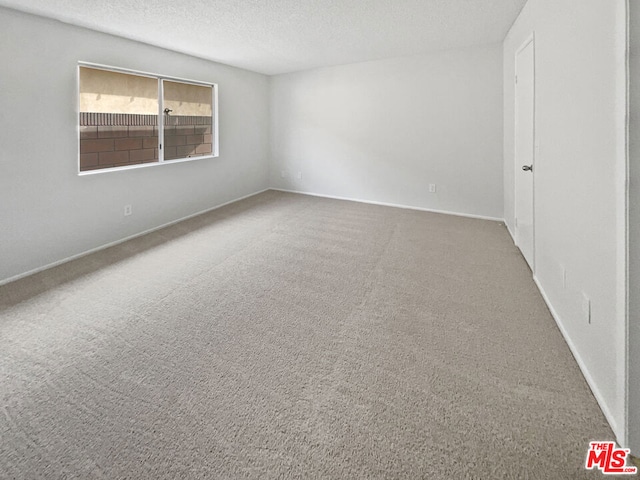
(319, 239)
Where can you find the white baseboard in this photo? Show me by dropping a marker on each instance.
(385, 204)
(583, 368)
(513, 236)
(122, 240)
(574, 351)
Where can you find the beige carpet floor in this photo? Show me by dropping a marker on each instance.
(287, 336)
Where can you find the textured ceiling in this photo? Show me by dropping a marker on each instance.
(278, 36)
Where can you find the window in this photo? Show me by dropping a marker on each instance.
(129, 119)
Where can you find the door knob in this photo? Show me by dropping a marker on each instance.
(527, 168)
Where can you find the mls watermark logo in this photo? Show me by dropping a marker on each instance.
(609, 459)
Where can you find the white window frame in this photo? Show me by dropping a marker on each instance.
(215, 152)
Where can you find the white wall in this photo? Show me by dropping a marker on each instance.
(579, 178)
(634, 229)
(48, 212)
(383, 130)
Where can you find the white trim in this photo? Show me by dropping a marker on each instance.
(583, 368)
(395, 205)
(513, 237)
(143, 165)
(524, 44)
(122, 240)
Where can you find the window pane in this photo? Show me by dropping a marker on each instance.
(187, 120)
(118, 119)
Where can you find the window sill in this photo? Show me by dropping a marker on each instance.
(145, 165)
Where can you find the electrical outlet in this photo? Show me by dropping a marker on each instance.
(432, 188)
(127, 210)
(299, 175)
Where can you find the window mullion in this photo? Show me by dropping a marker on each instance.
(161, 145)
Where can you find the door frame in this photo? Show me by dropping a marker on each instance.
(530, 39)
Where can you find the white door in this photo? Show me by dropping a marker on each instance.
(524, 151)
